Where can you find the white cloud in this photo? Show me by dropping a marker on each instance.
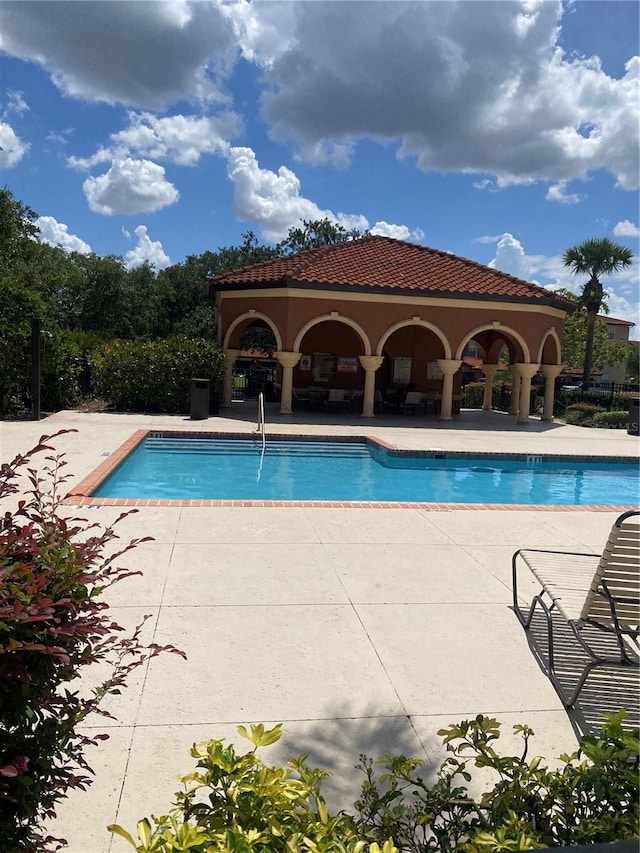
(181, 139)
(626, 229)
(272, 200)
(57, 234)
(129, 187)
(398, 232)
(511, 257)
(16, 102)
(12, 147)
(140, 54)
(558, 192)
(147, 251)
(479, 88)
(265, 36)
(464, 87)
(549, 271)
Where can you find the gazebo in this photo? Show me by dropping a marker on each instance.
(374, 313)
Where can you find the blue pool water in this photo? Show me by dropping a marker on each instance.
(209, 468)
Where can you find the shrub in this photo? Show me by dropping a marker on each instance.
(581, 414)
(592, 798)
(613, 420)
(473, 395)
(53, 624)
(236, 803)
(622, 402)
(156, 375)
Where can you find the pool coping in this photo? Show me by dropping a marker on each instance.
(81, 495)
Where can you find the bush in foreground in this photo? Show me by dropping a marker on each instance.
(53, 624)
(237, 804)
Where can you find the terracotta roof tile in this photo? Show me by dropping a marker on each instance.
(392, 265)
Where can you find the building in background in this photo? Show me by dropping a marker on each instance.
(617, 330)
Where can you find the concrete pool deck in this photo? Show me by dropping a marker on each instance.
(362, 630)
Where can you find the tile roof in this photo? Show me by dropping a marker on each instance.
(394, 266)
(614, 321)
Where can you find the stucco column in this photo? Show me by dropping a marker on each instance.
(370, 363)
(489, 371)
(288, 360)
(230, 355)
(550, 373)
(448, 366)
(527, 371)
(514, 370)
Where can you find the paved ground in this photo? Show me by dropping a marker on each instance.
(363, 630)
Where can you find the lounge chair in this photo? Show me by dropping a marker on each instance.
(300, 398)
(336, 400)
(413, 404)
(594, 594)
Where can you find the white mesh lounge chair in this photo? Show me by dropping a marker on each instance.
(589, 591)
(336, 400)
(413, 404)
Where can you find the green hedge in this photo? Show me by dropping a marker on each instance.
(155, 376)
(613, 420)
(581, 414)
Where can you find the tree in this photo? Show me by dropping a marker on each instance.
(595, 257)
(574, 338)
(17, 224)
(315, 233)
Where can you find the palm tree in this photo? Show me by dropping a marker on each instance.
(595, 257)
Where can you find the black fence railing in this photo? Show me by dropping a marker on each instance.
(605, 394)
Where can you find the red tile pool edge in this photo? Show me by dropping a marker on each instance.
(81, 495)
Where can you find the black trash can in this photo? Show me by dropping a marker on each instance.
(199, 408)
(634, 417)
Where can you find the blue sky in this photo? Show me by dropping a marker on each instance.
(501, 131)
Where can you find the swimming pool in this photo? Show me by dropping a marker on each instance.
(205, 467)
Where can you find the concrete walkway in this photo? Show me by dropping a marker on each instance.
(363, 630)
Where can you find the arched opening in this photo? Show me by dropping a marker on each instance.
(410, 351)
(549, 352)
(255, 366)
(330, 363)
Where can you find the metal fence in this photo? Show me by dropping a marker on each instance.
(605, 394)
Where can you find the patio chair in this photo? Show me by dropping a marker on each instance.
(336, 400)
(596, 595)
(413, 404)
(300, 398)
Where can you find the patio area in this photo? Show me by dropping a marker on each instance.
(362, 630)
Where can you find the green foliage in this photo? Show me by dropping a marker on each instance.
(202, 322)
(237, 804)
(613, 420)
(473, 395)
(595, 257)
(155, 375)
(574, 339)
(622, 402)
(17, 225)
(316, 233)
(53, 625)
(633, 361)
(17, 307)
(258, 338)
(592, 798)
(581, 414)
